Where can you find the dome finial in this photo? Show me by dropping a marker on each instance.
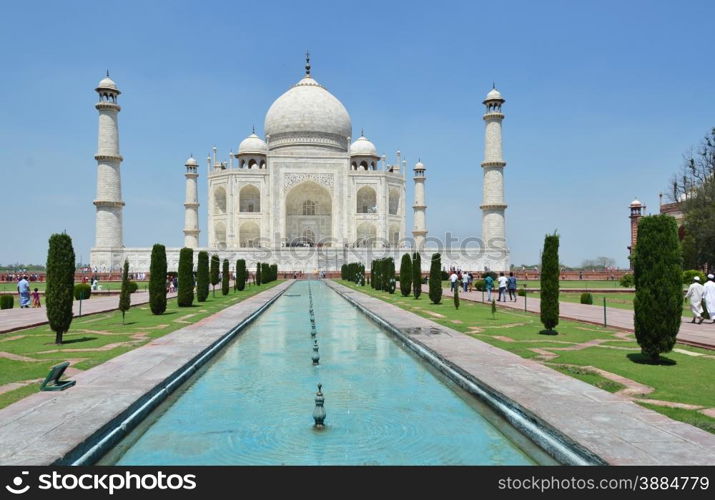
(254, 128)
(362, 132)
(307, 63)
(107, 72)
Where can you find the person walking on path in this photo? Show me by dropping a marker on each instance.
(511, 286)
(488, 285)
(453, 281)
(709, 296)
(695, 294)
(502, 287)
(23, 288)
(36, 298)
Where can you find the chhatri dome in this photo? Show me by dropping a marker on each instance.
(363, 147)
(494, 95)
(107, 83)
(308, 115)
(252, 144)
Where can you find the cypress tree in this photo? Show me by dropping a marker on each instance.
(372, 274)
(658, 274)
(455, 296)
(240, 274)
(125, 297)
(265, 272)
(550, 283)
(215, 263)
(157, 280)
(185, 297)
(225, 277)
(391, 275)
(435, 279)
(406, 275)
(274, 272)
(202, 276)
(59, 293)
(417, 274)
(258, 273)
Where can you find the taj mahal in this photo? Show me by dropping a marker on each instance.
(306, 197)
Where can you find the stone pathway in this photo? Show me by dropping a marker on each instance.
(609, 425)
(691, 334)
(18, 319)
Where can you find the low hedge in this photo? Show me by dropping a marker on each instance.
(83, 289)
(7, 301)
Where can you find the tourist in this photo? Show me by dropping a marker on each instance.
(453, 281)
(36, 298)
(511, 286)
(488, 285)
(470, 280)
(465, 281)
(502, 287)
(23, 287)
(709, 296)
(695, 294)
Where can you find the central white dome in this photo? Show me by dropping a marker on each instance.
(308, 114)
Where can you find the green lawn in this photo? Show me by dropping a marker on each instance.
(97, 331)
(688, 379)
(619, 300)
(563, 283)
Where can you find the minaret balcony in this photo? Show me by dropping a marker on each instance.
(493, 116)
(493, 206)
(106, 203)
(107, 105)
(493, 164)
(104, 157)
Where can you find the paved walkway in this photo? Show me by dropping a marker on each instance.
(697, 335)
(44, 427)
(17, 319)
(608, 425)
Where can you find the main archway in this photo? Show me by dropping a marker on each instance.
(309, 214)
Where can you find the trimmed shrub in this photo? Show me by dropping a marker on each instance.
(521, 292)
(59, 293)
(185, 297)
(586, 298)
(550, 283)
(225, 277)
(157, 280)
(406, 275)
(478, 285)
(202, 276)
(240, 274)
(133, 286)
(435, 281)
(627, 281)
(84, 289)
(7, 301)
(265, 272)
(455, 296)
(658, 276)
(214, 273)
(125, 300)
(444, 275)
(416, 275)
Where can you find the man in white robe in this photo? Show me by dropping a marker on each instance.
(695, 295)
(709, 296)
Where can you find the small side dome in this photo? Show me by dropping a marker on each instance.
(363, 147)
(107, 84)
(191, 162)
(252, 144)
(494, 95)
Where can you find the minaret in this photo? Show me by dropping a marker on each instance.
(109, 183)
(493, 206)
(636, 213)
(419, 232)
(191, 205)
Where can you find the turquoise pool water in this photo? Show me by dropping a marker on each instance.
(254, 403)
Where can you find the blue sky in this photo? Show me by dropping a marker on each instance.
(603, 99)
